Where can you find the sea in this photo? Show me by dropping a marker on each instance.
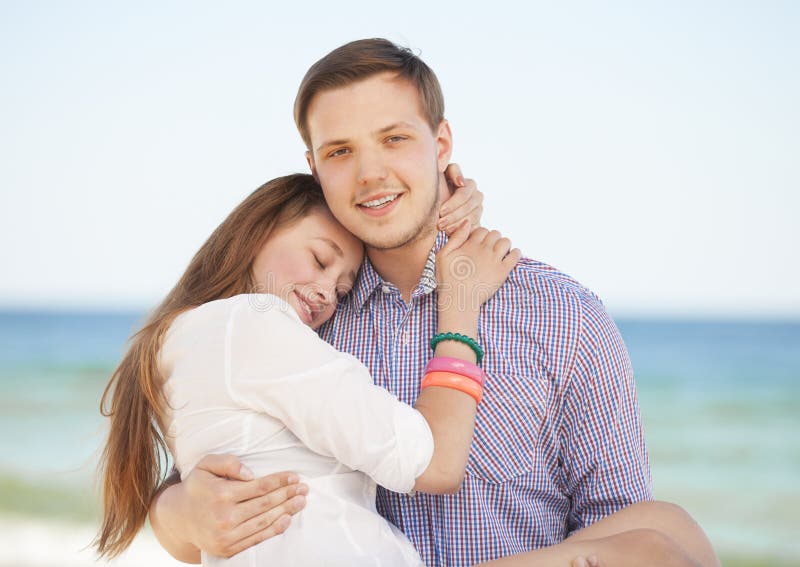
(720, 403)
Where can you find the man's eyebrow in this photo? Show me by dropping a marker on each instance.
(331, 143)
(332, 244)
(400, 124)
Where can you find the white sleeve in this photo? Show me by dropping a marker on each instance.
(278, 366)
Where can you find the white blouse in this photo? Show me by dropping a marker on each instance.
(245, 376)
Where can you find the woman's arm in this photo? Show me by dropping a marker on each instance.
(176, 512)
(469, 269)
(449, 413)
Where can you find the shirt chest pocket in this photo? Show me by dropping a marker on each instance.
(508, 421)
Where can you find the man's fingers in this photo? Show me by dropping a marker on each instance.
(277, 527)
(252, 508)
(263, 485)
(453, 175)
(227, 466)
(265, 525)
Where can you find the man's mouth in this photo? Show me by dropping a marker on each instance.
(380, 202)
(380, 205)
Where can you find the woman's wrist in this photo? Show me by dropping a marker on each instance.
(452, 315)
(456, 317)
(458, 349)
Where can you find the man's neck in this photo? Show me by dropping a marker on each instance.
(403, 266)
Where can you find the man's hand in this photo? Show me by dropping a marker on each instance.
(222, 510)
(465, 201)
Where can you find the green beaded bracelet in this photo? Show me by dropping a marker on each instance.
(469, 341)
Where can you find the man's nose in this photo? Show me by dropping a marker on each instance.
(371, 167)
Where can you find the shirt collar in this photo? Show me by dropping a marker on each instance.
(369, 280)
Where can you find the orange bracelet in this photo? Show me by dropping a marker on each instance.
(454, 381)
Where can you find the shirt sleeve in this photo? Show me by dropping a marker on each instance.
(278, 366)
(605, 459)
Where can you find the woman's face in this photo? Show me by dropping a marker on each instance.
(309, 264)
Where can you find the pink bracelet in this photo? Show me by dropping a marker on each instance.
(456, 366)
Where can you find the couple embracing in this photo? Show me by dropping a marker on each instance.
(352, 372)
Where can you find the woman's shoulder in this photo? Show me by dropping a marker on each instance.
(247, 309)
(264, 305)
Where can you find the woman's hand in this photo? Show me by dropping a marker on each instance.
(219, 508)
(465, 201)
(472, 266)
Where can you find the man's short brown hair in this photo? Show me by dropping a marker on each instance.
(360, 60)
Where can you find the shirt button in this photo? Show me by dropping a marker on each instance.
(386, 289)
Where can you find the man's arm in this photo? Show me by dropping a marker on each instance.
(159, 507)
(222, 510)
(648, 533)
(605, 464)
(606, 469)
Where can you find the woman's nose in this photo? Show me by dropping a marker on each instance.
(325, 293)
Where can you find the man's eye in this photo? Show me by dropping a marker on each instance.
(339, 152)
(394, 139)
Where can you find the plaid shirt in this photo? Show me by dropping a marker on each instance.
(558, 440)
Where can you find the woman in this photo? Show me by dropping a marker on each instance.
(220, 369)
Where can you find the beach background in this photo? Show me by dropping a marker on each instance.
(719, 399)
(649, 149)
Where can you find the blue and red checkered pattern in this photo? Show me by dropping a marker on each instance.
(558, 439)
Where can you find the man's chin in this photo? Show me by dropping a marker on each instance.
(388, 240)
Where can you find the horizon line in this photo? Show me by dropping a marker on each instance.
(678, 313)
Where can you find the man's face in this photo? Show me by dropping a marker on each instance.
(377, 159)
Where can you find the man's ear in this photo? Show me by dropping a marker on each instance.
(444, 145)
(310, 160)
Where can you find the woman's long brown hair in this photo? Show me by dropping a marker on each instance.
(133, 462)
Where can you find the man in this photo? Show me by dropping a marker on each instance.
(558, 440)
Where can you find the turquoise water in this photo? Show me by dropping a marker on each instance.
(721, 407)
(720, 404)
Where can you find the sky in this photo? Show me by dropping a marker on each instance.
(649, 149)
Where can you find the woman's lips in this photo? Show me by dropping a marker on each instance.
(305, 311)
